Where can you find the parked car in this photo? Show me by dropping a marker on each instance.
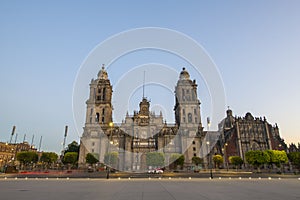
(151, 171)
(155, 171)
(159, 171)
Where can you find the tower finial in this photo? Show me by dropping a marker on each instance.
(103, 66)
(144, 85)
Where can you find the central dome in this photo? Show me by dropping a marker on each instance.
(184, 75)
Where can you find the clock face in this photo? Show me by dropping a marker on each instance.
(144, 109)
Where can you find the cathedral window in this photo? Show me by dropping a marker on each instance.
(195, 155)
(194, 142)
(195, 111)
(91, 119)
(91, 111)
(93, 143)
(184, 119)
(103, 111)
(98, 98)
(102, 120)
(183, 111)
(190, 118)
(196, 121)
(103, 94)
(97, 117)
(93, 150)
(194, 148)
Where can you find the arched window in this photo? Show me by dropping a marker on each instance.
(190, 118)
(103, 94)
(97, 117)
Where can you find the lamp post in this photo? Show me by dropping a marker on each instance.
(209, 160)
(225, 155)
(111, 124)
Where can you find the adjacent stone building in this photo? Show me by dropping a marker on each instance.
(242, 134)
(8, 152)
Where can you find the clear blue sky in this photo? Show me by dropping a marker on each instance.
(255, 44)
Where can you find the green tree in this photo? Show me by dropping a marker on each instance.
(237, 161)
(27, 157)
(111, 159)
(70, 158)
(277, 157)
(177, 160)
(73, 147)
(257, 158)
(49, 157)
(155, 159)
(294, 157)
(91, 158)
(197, 160)
(218, 159)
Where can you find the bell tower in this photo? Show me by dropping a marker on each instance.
(99, 106)
(187, 116)
(187, 105)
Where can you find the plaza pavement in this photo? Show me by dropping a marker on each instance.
(149, 189)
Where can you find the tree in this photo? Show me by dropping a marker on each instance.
(257, 158)
(91, 158)
(48, 158)
(294, 157)
(156, 159)
(237, 161)
(218, 159)
(70, 158)
(27, 157)
(111, 159)
(177, 160)
(73, 147)
(197, 160)
(277, 157)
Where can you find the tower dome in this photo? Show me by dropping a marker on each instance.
(102, 74)
(184, 75)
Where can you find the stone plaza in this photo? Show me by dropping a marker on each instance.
(235, 188)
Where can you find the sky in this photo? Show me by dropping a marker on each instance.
(43, 44)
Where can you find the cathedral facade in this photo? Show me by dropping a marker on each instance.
(143, 131)
(242, 134)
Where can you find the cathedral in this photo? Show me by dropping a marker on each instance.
(144, 131)
(242, 134)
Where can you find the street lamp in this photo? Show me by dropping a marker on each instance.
(225, 155)
(209, 161)
(111, 124)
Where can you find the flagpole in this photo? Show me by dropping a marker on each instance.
(12, 133)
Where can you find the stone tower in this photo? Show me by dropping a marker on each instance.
(99, 107)
(187, 115)
(187, 105)
(98, 117)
